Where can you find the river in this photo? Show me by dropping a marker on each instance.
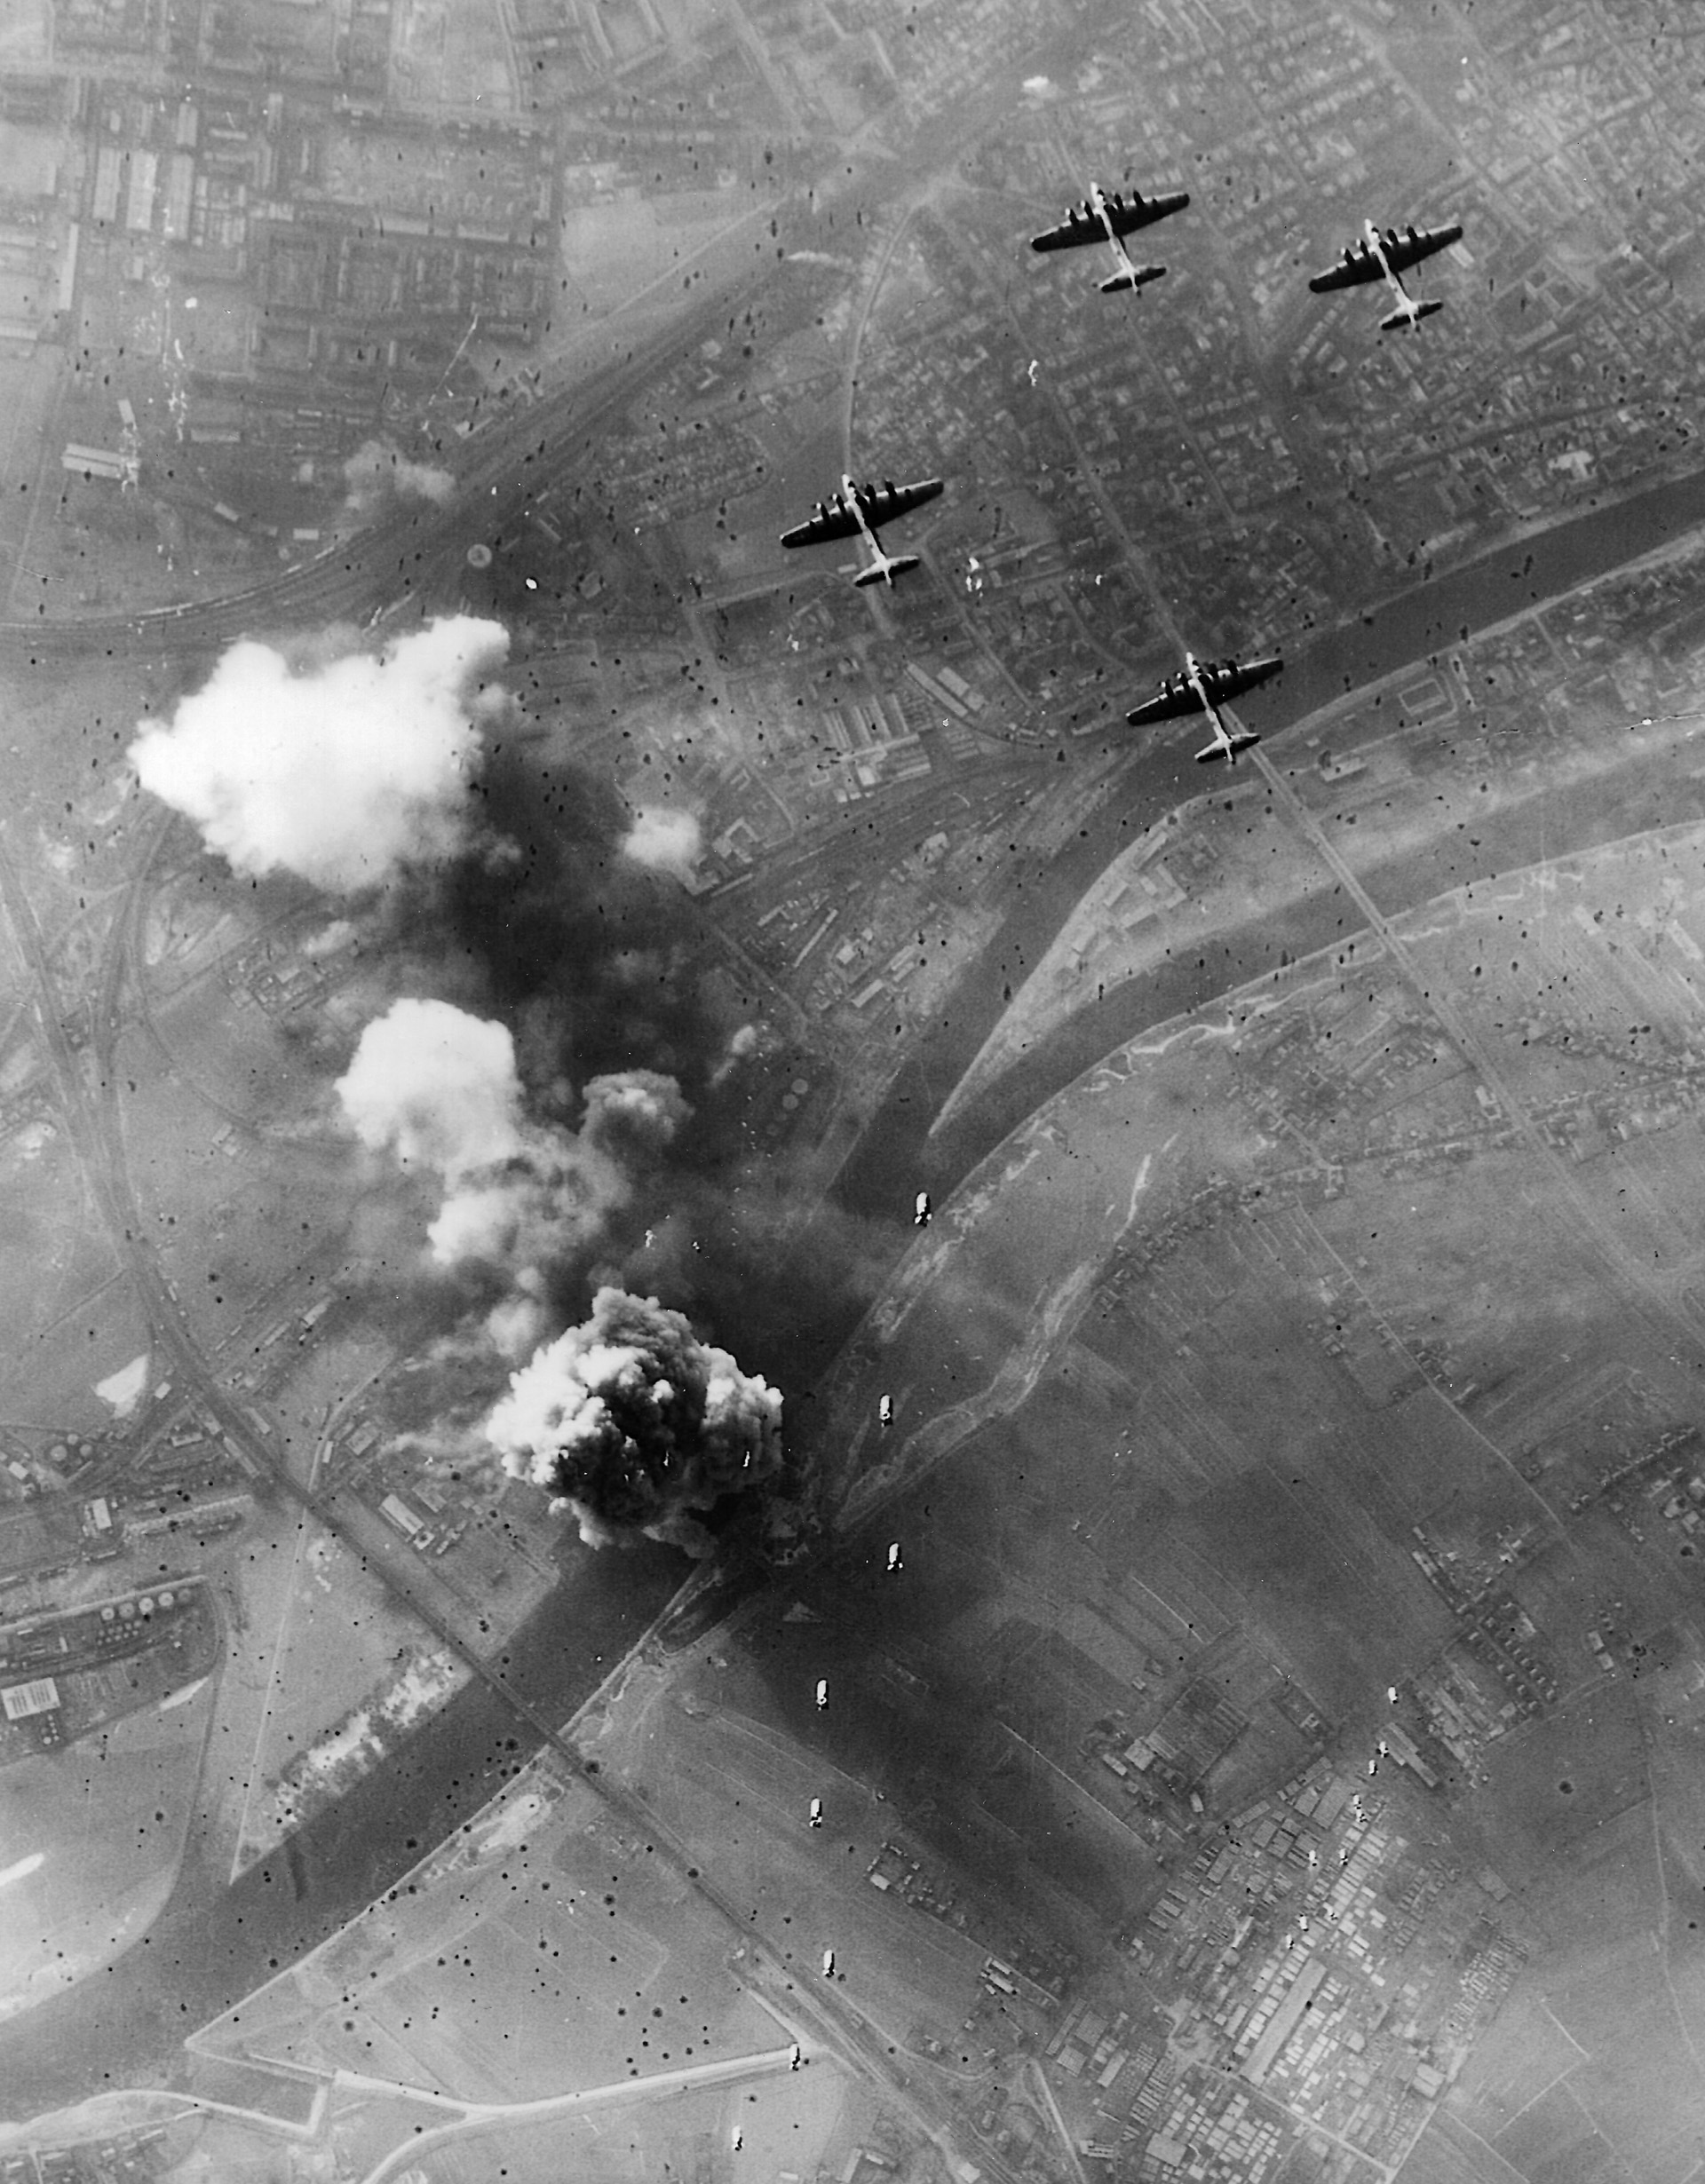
(214, 1943)
(895, 1155)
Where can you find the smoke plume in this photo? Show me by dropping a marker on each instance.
(341, 770)
(441, 1090)
(378, 467)
(633, 1113)
(436, 1087)
(567, 939)
(743, 1041)
(634, 1423)
(664, 840)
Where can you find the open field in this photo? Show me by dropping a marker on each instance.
(737, 1788)
(786, 2121)
(108, 1817)
(540, 1952)
(446, 54)
(313, 1648)
(617, 249)
(93, 1328)
(1557, 1783)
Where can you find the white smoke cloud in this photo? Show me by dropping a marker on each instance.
(439, 1089)
(664, 840)
(743, 1041)
(436, 1087)
(551, 1196)
(515, 1325)
(634, 1423)
(341, 771)
(378, 466)
(328, 940)
(633, 1111)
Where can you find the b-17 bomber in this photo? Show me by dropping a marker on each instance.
(1204, 687)
(855, 512)
(1106, 216)
(454, 1492)
(1386, 256)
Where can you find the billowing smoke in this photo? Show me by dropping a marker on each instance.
(548, 1200)
(343, 770)
(440, 1090)
(743, 1041)
(571, 942)
(633, 1113)
(337, 935)
(635, 1424)
(666, 840)
(616, 992)
(436, 1087)
(516, 1323)
(378, 467)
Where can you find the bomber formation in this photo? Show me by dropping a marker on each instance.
(857, 511)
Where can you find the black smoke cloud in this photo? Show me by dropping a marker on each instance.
(597, 967)
(635, 1424)
(595, 964)
(569, 934)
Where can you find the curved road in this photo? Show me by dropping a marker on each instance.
(484, 2114)
(1411, 627)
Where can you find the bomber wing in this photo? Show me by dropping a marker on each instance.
(1173, 699)
(1408, 246)
(882, 503)
(831, 520)
(1356, 264)
(1083, 223)
(1135, 211)
(1230, 678)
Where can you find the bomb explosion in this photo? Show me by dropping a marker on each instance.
(356, 771)
(341, 766)
(635, 1424)
(522, 1197)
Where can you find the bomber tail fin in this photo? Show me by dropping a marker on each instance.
(1130, 277)
(884, 570)
(1228, 752)
(1410, 314)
